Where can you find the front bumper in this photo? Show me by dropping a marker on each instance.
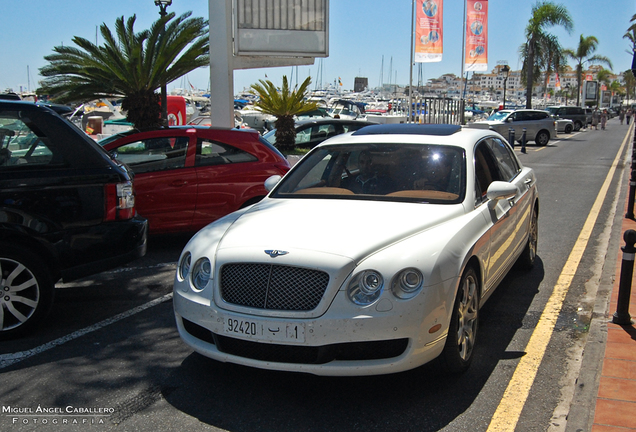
(383, 338)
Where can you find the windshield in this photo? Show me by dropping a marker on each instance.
(389, 172)
(271, 136)
(499, 116)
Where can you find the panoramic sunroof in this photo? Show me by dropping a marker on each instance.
(409, 129)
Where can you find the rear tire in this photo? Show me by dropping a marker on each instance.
(27, 291)
(462, 331)
(542, 138)
(568, 129)
(577, 126)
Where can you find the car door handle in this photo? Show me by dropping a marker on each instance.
(527, 181)
(179, 183)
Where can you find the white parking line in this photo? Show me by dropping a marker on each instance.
(7, 360)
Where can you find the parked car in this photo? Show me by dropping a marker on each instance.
(407, 231)
(564, 125)
(188, 176)
(539, 125)
(574, 113)
(310, 133)
(67, 210)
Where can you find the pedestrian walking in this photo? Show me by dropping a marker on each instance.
(628, 116)
(621, 115)
(603, 119)
(595, 119)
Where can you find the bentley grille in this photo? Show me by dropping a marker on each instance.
(274, 287)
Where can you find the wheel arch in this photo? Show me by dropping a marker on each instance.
(33, 245)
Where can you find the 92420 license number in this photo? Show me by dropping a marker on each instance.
(265, 330)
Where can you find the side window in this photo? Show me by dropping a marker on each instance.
(507, 163)
(153, 154)
(22, 147)
(215, 153)
(303, 136)
(486, 171)
(521, 116)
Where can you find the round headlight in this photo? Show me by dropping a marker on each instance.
(407, 283)
(184, 266)
(201, 273)
(365, 287)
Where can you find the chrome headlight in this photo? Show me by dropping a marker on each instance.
(201, 273)
(407, 283)
(184, 266)
(365, 287)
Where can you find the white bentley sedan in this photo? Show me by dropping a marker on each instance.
(373, 255)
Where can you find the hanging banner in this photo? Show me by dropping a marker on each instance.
(428, 31)
(477, 35)
(557, 82)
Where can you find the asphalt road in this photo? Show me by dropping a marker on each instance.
(109, 357)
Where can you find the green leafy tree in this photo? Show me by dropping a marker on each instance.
(544, 14)
(284, 104)
(131, 65)
(583, 57)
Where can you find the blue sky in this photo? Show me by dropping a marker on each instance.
(361, 33)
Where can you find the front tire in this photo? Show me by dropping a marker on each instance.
(568, 128)
(27, 291)
(542, 138)
(462, 331)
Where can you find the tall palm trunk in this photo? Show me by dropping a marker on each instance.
(530, 71)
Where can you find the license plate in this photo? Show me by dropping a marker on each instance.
(265, 330)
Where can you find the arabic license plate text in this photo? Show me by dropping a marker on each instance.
(265, 330)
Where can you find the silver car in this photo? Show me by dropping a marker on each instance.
(540, 127)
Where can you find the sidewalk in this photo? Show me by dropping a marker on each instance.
(616, 397)
(604, 398)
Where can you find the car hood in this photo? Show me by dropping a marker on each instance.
(351, 229)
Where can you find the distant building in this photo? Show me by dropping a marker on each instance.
(360, 84)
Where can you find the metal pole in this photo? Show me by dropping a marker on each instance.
(621, 316)
(523, 141)
(511, 137)
(411, 64)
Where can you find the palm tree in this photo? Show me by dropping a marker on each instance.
(283, 103)
(631, 36)
(544, 14)
(630, 83)
(133, 65)
(583, 55)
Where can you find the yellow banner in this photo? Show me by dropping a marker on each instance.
(429, 31)
(477, 35)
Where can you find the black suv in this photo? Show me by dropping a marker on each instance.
(66, 211)
(576, 114)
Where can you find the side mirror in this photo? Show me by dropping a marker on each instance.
(499, 190)
(271, 182)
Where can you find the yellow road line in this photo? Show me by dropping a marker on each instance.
(514, 398)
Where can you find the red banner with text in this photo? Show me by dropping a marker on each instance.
(477, 35)
(429, 31)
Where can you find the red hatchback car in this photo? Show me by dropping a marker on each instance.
(189, 176)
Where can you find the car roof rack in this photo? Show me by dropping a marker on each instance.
(409, 129)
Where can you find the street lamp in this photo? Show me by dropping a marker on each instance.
(163, 4)
(505, 70)
(567, 92)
